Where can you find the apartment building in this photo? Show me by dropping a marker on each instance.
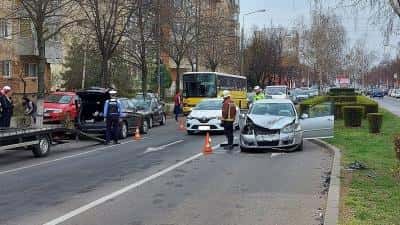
(19, 59)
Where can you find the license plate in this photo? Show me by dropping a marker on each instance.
(267, 137)
(202, 128)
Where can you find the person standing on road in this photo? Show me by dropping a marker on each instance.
(112, 112)
(30, 109)
(259, 95)
(228, 118)
(177, 105)
(7, 107)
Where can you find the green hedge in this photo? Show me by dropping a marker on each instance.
(375, 122)
(353, 116)
(308, 103)
(342, 92)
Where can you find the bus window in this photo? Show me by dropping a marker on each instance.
(199, 85)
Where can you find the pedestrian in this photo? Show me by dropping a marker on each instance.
(259, 95)
(7, 107)
(228, 118)
(112, 112)
(30, 109)
(177, 105)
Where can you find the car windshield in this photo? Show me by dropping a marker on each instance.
(62, 99)
(142, 104)
(274, 109)
(300, 92)
(209, 105)
(275, 90)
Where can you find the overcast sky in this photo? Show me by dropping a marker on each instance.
(286, 12)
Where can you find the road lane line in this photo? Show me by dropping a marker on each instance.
(115, 194)
(64, 158)
(162, 147)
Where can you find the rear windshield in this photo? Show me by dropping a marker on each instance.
(61, 99)
(275, 90)
(209, 105)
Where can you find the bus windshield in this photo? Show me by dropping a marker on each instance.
(199, 85)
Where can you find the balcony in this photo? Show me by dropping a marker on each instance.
(28, 47)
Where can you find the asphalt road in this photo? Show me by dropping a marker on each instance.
(389, 103)
(162, 179)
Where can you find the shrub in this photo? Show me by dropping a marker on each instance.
(307, 104)
(375, 122)
(342, 91)
(397, 146)
(353, 116)
(370, 106)
(342, 98)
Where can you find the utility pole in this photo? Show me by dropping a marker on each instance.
(84, 65)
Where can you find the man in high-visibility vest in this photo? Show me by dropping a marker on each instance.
(259, 95)
(228, 118)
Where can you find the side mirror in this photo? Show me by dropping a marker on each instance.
(304, 116)
(242, 116)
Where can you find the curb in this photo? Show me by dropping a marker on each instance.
(332, 206)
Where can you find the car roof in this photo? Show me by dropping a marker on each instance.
(274, 101)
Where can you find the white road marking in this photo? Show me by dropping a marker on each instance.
(115, 194)
(63, 158)
(162, 147)
(273, 155)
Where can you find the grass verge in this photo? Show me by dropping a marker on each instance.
(370, 196)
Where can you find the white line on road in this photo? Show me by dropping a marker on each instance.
(273, 155)
(162, 147)
(63, 158)
(115, 194)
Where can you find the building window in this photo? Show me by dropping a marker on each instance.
(25, 28)
(5, 28)
(31, 69)
(6, 68)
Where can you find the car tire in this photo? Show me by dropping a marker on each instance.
(43, 148)
(163, 120)
(123, 133)
(300, 147)
(144, 129)
(150, 122)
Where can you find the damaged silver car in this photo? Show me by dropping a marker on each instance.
(275, 124)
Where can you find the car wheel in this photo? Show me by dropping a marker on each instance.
(300, 147)
(124, 130)
(42, 149)
(144, 129)
(163, 120)
(150, 122)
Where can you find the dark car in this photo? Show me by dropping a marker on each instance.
(91, 119)
(378, 93)
(152, 110)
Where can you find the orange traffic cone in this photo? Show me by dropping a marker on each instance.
(207, 145)
(182, 125)
(137, 136)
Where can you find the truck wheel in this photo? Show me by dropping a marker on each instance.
(43, 148)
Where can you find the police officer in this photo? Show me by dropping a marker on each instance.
(259, 95)
(228, 118)
(7, 107)
(112, 113)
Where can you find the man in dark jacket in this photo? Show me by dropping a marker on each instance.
(112, 112)
(228, 118)
(7, 107)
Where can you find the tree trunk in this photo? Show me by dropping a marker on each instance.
(214, 67)
(41, 79)
(104, 72)
(144, 76)
(178, 77)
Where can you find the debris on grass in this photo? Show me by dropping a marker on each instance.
(356, 165)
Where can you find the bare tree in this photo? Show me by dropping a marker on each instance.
(108, 20)
(49, 18)
(180, 32)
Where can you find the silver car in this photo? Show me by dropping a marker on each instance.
(206, 116)
(275, 124)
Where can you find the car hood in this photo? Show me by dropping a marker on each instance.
(144, 112)
(271, 122)
(48, 105)
(206, 113)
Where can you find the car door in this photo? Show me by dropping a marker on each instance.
(155, 110)
(318, 122)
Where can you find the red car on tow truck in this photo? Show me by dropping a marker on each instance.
(59, 106)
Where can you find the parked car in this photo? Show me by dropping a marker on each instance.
(206, 116)
(152, 111)
(299, 95)
(396, 93)
(91, 119)
(275, 124)
(378, 93)
(390, 92)
(312, 92)
(60, 106)
(276, 92)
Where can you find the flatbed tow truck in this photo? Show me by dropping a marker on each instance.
(39, 140)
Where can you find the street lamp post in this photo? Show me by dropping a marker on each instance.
(242, 39)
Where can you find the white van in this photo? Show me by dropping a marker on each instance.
(276, 92)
